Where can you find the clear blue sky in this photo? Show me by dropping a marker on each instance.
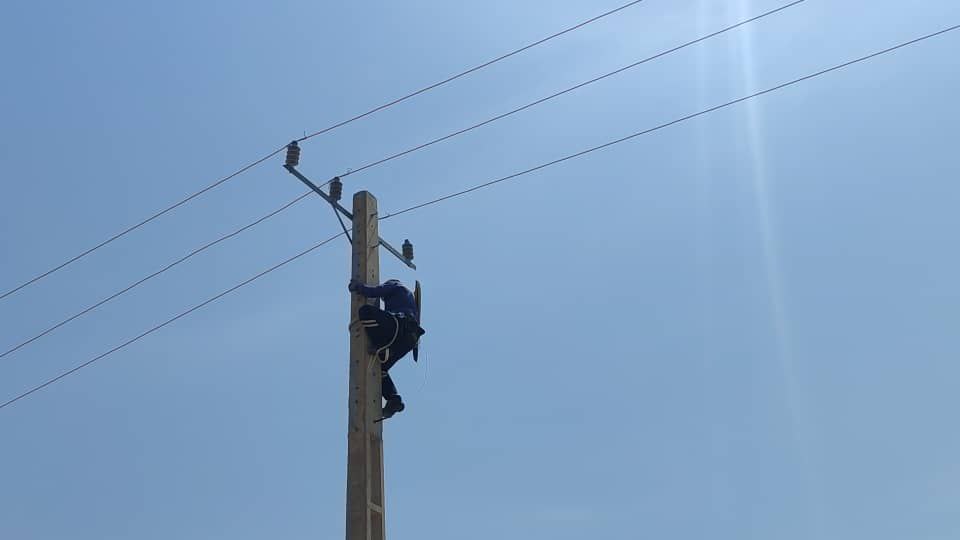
(740, 327)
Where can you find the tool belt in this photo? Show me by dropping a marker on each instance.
(409, 326)
(409, 329)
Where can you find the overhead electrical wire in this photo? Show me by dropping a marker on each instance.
(486, 184)
(403, 153)
(143, 280)
(671, 123)
(168, 321)
(570, 89)
(132, 228)
(471, 70)
(256, 162)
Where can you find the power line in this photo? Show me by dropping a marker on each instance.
(552, 96)
(253, 164)
(405, 152)
(153, 275)
(568, 90)
(168, 321)
(671, 123)
(480, 186)
(471, 70)
(132, 228)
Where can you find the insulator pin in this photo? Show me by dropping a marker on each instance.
(336, 188)
(407, 250)
(293, 154)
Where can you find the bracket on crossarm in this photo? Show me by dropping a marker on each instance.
(293, 159)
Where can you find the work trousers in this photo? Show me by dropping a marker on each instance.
(393, 336)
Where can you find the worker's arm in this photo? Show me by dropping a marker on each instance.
(372, 292)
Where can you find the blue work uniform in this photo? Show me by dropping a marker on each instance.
(397, 299)
(394, 331)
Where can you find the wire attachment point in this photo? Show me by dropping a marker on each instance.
(336, 188)
(293, 154)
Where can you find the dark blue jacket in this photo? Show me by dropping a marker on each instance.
(396, 298)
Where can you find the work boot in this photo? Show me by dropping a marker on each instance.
(393, 406)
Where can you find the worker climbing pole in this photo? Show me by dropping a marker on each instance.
(394, 331)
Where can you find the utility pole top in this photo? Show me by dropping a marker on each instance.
(336, 188)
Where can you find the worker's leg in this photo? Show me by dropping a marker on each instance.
(389, 357)
(387, 388)
(380, 326)
(394, 403)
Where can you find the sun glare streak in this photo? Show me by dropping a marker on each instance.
(768, 238)
(773, 272)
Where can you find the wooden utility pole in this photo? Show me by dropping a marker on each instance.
(365, 514)
(365, 505)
